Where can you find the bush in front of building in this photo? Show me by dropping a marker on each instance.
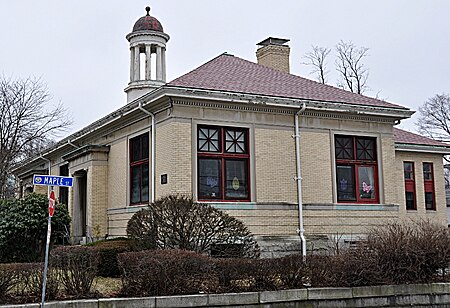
(172, 272)
(78, 268)
(177, 222)
(395, 253)
(165, 272)
(23, 228)
(108, 250)
(409, 252)
(8, 279)
(22, 282)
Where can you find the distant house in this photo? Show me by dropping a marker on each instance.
(226, 133)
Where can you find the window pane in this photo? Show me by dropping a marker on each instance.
(408, 170)
(366, 182)
(144, 149)
(345, 183)
(344, 147)
(429, 204)
(135, 149)
(135, 184)
(410, 204)
(209, 139)
(365, 149)
(427, 167)
(235, 141)
(209, 178)
(145, 180)
(427, 171)
(236, 179)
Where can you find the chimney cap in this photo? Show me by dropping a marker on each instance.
(273, 41)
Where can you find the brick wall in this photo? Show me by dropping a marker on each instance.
(274, 56)
(118, 174)
(389, 175)
(173, 157)
(275, 165)
(97, 200)
(316, 167)
(440, 215)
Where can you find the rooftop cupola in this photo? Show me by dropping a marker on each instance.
(147, 56)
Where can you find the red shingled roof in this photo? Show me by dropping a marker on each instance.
(233, 74)
(402, 136)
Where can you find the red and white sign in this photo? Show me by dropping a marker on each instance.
(51, 204)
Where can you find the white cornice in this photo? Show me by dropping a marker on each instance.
(272, 101)
(422, 148)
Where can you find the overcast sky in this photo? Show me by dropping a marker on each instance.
(79, 47)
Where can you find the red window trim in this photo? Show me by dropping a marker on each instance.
(428, 185)
(223, 157)
(359, 163)
(410, 184)
(141, 163)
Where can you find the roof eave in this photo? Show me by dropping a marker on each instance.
(87, 130)
(237, 97)
(422, 148)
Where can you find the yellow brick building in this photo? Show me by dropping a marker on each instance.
(286, 155)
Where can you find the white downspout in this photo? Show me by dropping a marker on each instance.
(153, 149)
(298, 178)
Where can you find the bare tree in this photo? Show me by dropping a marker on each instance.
(316, 58)
(349, 64)
(434, 118)
(27, 121)
(434, 121)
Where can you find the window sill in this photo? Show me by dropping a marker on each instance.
(351, 207)
(128, 209)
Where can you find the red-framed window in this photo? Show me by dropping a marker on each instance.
(356, 169)
(139, 170)
(223, 163)
(410, 185)
(428, 183)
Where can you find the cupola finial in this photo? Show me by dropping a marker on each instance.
(148, 10)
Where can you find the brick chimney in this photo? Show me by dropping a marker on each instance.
(274, 53)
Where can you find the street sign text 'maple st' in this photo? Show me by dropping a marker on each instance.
(52, 180)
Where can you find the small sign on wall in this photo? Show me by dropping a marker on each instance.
(164, 178)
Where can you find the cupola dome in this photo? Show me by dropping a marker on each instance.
(148, 23)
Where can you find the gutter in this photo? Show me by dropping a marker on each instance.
(152, 125)
(298, 178)
(197, 93)
(69, 142)
(422, 148)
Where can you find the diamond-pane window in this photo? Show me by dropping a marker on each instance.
(223, 163)
(356, 169)
(209, 139)
(365, 149)
(235, 141)
(344, 147)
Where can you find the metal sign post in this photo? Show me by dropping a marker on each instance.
(50, 181)
(51, 210)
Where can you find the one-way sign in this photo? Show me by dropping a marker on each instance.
(52, 180)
